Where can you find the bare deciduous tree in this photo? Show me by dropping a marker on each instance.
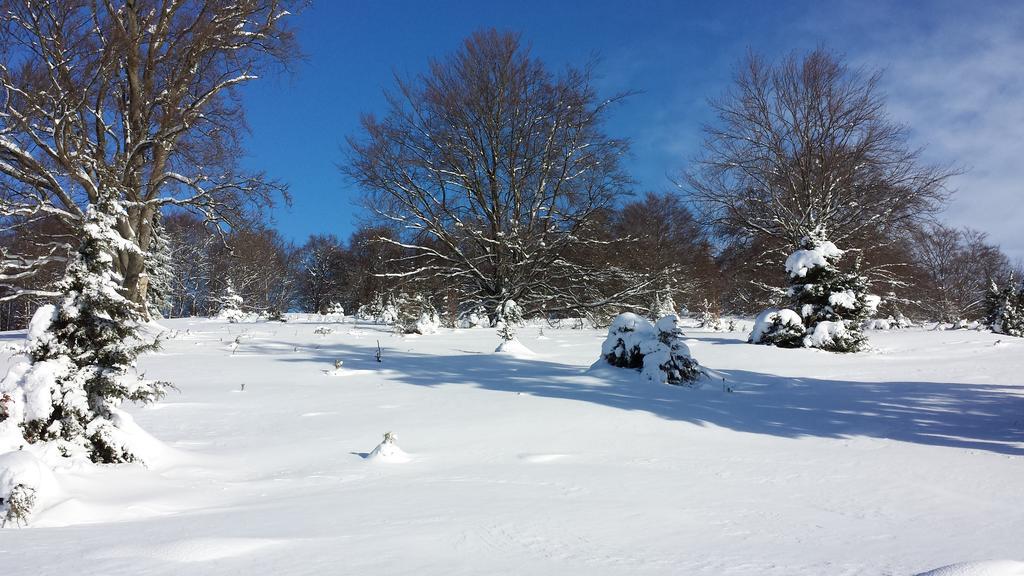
(807, 144)
(491, 169)
(952, 269)
(135, 98)
(320, 273)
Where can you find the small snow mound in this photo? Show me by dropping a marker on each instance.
(21, 471)
(984, 568)
(388, 451)
(514, 348)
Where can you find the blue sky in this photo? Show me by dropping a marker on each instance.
(954, 74)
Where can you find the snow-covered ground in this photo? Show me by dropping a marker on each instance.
(895, 461)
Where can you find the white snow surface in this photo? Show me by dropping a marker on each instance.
(893, 461)
(985, 568)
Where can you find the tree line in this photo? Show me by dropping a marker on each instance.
(489, 178)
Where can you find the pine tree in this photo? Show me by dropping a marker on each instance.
(669, 360)
(1004, 308)
(230, 303)
(833, 304)
(709, 317)
(826, 307)
(510, 316)
(661, 305)
(159, 267)
(84, 349)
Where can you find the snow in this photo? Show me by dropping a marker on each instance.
(824, 334)
(893, 461)
(987, 568)
(388, 451)
(22, 468)
(845, 299)
(514, 347)
(41, 321)
(800, 262)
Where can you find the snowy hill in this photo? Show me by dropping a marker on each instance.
(895, 461)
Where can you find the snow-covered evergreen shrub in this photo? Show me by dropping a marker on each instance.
(25, 482)
(879, 324)
(475, 317)
(1004, 309)
(82, 355)
(778, 327)
(381, 309)
(415, 315)
(657, 350)
(621, 348)
(819, 294)
(901, 321)
(667, 360)
(230, 304)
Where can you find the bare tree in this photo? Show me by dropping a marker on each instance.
(952, 270)
(320, 273)
(665, 240)
(261, 266)
(135, 98)
(491, 168)
(806, 144)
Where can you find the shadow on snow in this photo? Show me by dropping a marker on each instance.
(973, 416)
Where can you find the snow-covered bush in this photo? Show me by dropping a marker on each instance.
(230, 304)
(63, 403)
(668, 359)
(475, 317)
(336, 309)
(879, 324)
(414, 315)
(1004, 309)
(621, 348)
(778, 327)
(657, 350)
(25, 483)
(819, 294)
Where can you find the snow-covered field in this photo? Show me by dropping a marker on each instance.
(895, 461)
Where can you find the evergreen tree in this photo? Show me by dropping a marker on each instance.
(709, 317)
(159, 267)
(826, 304)
(662, 304)
(1004, 308)
(83, 351)
(230, 303)
(510, 315)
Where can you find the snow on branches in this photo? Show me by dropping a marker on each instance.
(64, 402)
(657, 350)
(826, 305)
